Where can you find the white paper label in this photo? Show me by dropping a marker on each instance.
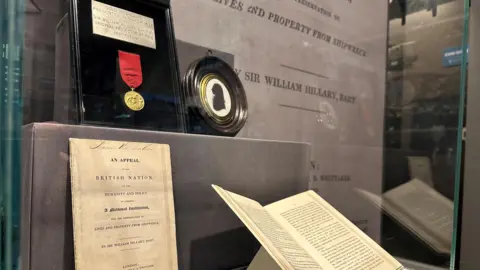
(117, 23)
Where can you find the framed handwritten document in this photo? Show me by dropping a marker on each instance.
(123, 210)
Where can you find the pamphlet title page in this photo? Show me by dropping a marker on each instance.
(122, 205)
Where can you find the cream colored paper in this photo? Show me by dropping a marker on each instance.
(122, 200)
(328, 236)
(305, 232)
(124, 25)
(275, 239)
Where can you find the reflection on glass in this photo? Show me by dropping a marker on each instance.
(376, 137)
(11, 55)
(421, 128)
(422, 210)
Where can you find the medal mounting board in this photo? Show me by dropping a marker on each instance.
(99, 88)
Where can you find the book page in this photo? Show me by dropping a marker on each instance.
(328, 236)
(122, 204)
(278, 242)
(426, 206)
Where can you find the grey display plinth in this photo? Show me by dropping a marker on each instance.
(209, 235)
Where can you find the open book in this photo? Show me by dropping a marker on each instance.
(305, 232)
(420, 209)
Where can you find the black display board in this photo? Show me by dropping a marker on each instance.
(97, 80)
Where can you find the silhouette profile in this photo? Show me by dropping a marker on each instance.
(218, 98)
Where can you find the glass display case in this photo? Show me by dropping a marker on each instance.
(232, 134)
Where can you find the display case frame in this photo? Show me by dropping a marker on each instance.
(75, 40)
(468, 237)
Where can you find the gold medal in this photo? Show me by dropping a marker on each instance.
(134, 100)
(131, 72)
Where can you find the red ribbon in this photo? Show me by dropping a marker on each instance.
(130, 69)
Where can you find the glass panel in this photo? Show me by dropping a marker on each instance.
(11, 33)
(455, 250)
(424, 124)
(360, 101)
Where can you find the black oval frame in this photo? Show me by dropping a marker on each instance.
(234, 121)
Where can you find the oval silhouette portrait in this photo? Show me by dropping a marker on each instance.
(218, 97)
